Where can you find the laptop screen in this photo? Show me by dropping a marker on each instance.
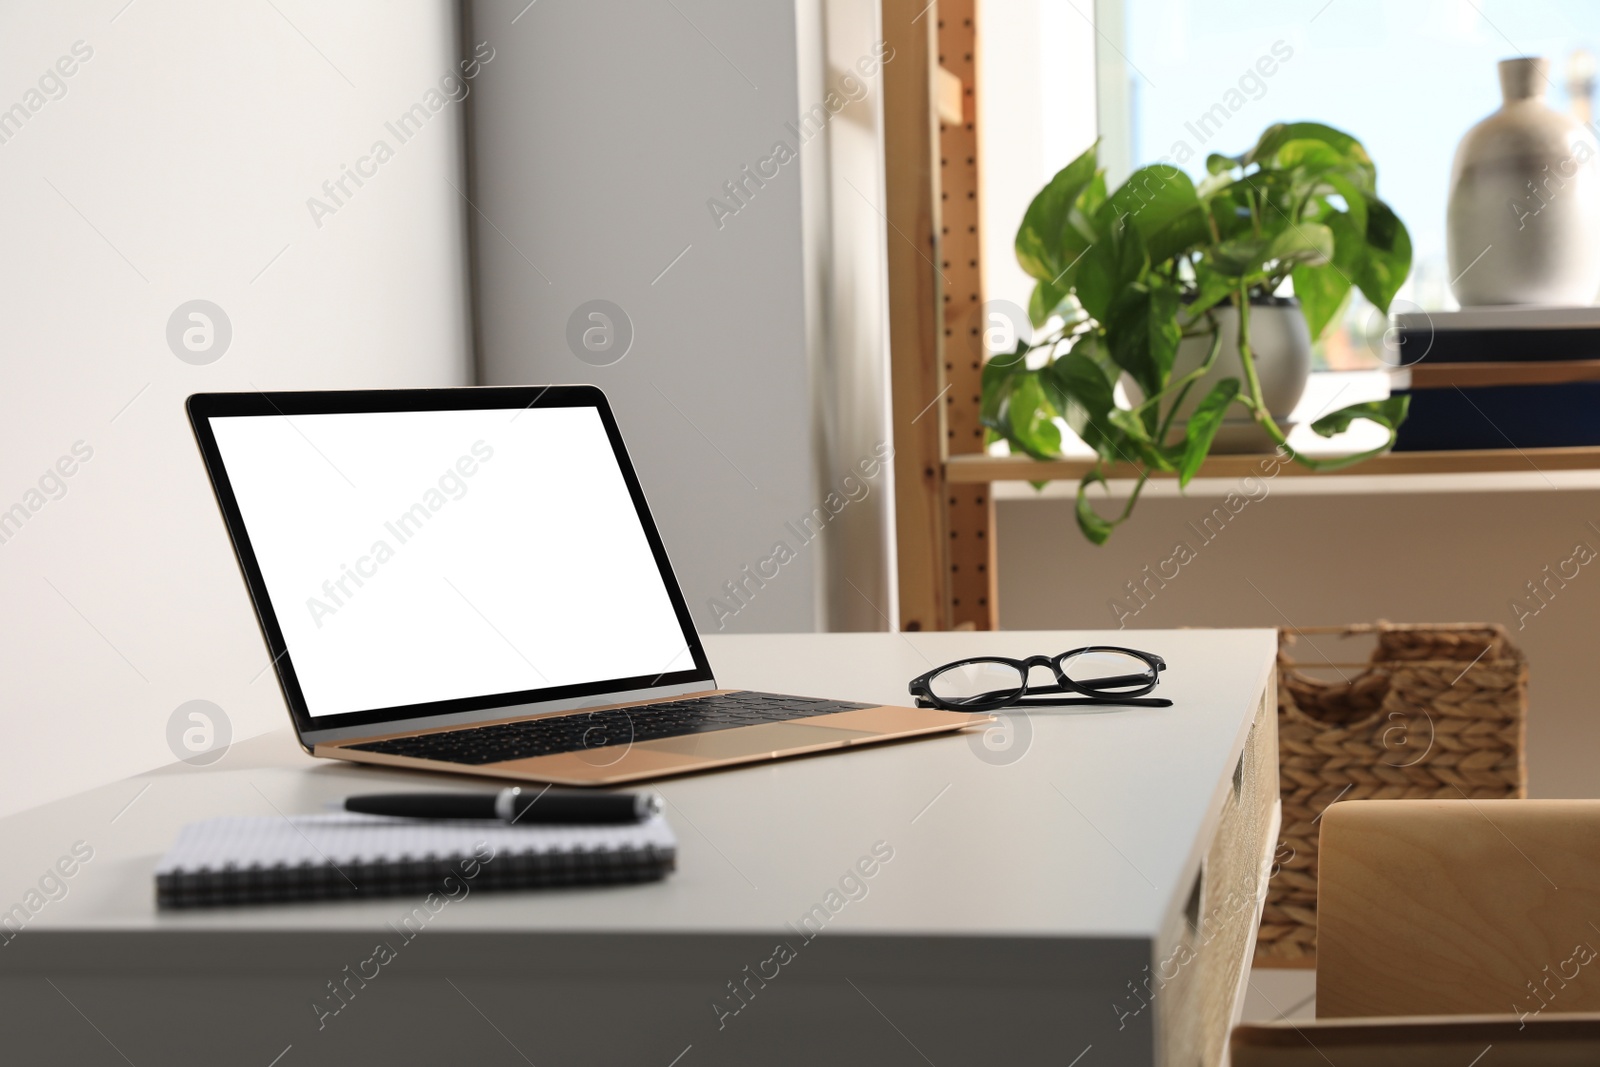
(425, 556)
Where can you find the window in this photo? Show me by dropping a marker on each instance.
(1188, 77)
(1173, 80)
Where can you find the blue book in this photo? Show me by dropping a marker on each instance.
(1495, 335)
(1550, 415)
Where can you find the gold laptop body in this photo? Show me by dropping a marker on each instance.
(628, 761)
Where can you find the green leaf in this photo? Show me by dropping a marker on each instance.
(1213, 184)
(1203, 426)
(1216, 163)
(1164, 334)
(1389, 413)
(1319, 167)
(1355, 201)
(1109, 268)
(1323, 293)
(1309, 155)
(1239, 257)
(1137, 437)
(1310, 243)
(1381, 272)
(1081, 385)
(1000, 375)
(1046, 243)
(1088, 204)
(1230, 212)
(1211, 289)
(1132, 426)
(1247, 256)
(1142, 334)
(1160, 202)
(1003, 365)
(1043, 303)
(1274, 138)
(1324, 290)
(1028, 419)
(1185, 233)
(1095, 528)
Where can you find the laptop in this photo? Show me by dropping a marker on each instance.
(469, 581)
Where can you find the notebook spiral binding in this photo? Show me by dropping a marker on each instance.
(256, 884)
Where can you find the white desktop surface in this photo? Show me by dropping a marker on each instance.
(1023, 896)
(1095, 830)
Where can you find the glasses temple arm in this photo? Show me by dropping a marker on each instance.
(1062, 702)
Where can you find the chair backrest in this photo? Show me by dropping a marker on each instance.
(1447, 907)
(1433, 1041)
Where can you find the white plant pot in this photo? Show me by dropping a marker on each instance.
(1280, 344)
(1524, 216)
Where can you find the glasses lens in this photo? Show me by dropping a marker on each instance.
(977, 682)
(1112, 673)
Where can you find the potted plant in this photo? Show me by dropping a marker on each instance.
(1134, 274)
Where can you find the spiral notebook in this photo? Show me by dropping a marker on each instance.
(260, 860)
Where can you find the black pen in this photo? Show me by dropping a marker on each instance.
(511, 805)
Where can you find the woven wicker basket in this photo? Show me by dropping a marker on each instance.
(1436, 711)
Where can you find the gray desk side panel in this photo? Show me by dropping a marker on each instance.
(443, 997)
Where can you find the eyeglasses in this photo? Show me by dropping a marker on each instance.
(1099, 674)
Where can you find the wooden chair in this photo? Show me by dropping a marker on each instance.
(1450, 907)
(1445, 929)
(1422, 1041)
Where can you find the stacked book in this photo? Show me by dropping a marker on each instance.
(1511, 377)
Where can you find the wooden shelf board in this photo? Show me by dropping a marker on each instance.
(960, 470)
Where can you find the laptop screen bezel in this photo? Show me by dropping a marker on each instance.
(203, 407)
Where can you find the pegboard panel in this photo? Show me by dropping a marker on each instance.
(970, 510)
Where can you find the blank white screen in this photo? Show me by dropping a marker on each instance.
(430, 555)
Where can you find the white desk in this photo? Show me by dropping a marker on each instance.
(1030, 889)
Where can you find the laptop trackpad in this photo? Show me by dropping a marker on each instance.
(754, 740)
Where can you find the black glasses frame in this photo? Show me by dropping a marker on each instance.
(1025, 695)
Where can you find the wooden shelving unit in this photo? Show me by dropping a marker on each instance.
(944, 509)
(944, 542)
(979, 469)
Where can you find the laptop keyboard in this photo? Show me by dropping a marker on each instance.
(584, 730)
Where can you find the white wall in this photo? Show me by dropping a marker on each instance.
(1336, 550)
(847, 304)
(1038, 69)
(599, 139)
(177, 166)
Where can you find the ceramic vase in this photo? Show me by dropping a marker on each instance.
(1524, 215)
